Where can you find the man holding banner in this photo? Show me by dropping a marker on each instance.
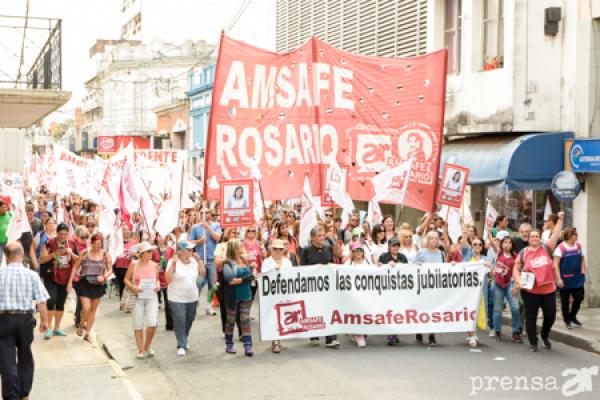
(319, 254)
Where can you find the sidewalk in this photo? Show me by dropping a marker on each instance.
(68, 368)
(586, 338)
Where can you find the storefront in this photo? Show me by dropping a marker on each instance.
(514, 172)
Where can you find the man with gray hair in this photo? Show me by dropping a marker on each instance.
(19, 288)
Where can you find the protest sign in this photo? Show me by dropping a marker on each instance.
(454, 182)
(237, 202)
(326, 300)
(295, 112)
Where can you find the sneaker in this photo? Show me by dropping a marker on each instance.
(334, 344)
(140, 355)
(568, 325)
(432, 341)
(516, 337)
(361, 341)
(547, 344)
(492, 333)
(150, 353)
(577, 323)
(473, 342)
(498, 337)
(48, 334)
(392, 340)
(314, 341)
(59, 332)
(533, 348)
(181, 352)
(187, 346)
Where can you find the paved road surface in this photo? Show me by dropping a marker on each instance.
(302, 371)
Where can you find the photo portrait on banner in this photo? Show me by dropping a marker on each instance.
(453, 184)
(236, 203)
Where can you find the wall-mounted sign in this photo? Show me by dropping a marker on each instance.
(582, 155)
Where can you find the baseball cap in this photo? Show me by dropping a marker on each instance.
(357, 231)
(394, 241)
(184, 244)
(357, 247)
(277, 244)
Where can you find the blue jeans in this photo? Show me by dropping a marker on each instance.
(2, 246)
(500, 294)
(183, 317)
(210, 277)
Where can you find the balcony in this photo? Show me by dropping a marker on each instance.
(30, 70)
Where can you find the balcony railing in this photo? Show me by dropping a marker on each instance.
(30, 52)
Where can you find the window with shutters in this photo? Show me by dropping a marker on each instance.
(370, 27)
(452, 34)
(493, 34)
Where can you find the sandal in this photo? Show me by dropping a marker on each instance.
(276, 348)
(80, 331)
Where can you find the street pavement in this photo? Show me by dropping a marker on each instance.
(68, 368)
(410, 371)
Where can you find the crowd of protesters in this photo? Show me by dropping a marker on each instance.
(73, 255)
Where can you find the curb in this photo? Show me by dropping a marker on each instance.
(572, 338)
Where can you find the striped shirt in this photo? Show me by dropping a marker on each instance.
(20, 287)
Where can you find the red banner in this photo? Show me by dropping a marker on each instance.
(291, 113)
(112, 144)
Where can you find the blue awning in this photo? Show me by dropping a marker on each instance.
(527, 162)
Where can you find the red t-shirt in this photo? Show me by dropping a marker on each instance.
(168, 254)
(504, 269)
(254, 253)
(540, 263)
(124, 259)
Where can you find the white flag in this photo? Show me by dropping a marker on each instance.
(338, 193)
(453, 221)
(374, 215)
(391, 184)
(308, 217)
(547, 208)
(466, 212)
(490, 217)
(19, 223)
(115, 244)
(169, 212)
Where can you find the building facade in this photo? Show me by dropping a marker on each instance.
(201, 83)
(522, 78)
(133, 79)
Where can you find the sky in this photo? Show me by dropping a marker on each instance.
(84, 21)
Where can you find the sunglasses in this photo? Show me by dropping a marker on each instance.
(250, 230)
(213, 215)
(328, 215)
(395, 245)
(85, 237)
(277, 248)
(477, 244)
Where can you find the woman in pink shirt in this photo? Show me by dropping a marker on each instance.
(254, 254)
(537, 259)
(142, 279)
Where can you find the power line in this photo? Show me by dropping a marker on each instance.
(22, 59)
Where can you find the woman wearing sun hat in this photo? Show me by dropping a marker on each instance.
(182, 273)
(276, 261)
(145, 312)
(357, 259)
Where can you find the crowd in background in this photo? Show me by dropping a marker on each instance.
(73, 255)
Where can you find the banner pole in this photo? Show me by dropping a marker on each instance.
(262, 199)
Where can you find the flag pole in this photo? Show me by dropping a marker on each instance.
(262, 199)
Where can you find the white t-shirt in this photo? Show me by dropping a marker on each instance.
(558, 251)
(269, 264)
(410, 254)
(377, 250)
(364, 263)
(546, 235)
(182, 288)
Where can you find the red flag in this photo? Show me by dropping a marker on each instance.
(297, 111)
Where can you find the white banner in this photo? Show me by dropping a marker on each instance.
(310, 301)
